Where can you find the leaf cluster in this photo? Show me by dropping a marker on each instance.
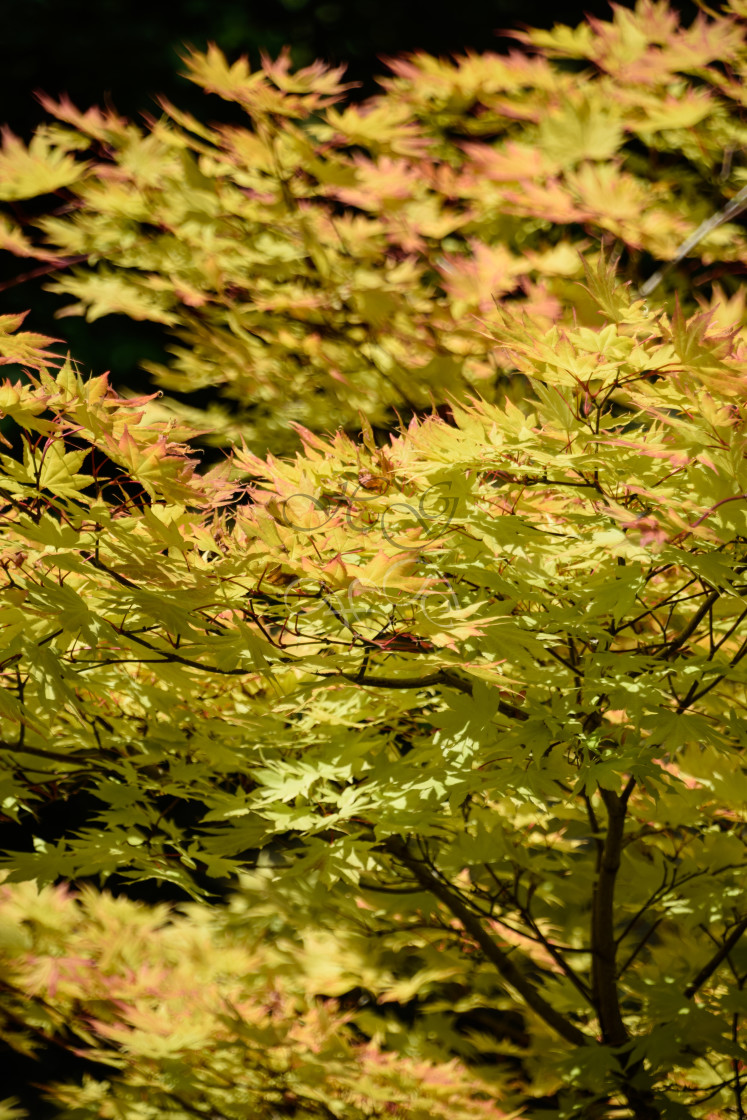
(327, 258)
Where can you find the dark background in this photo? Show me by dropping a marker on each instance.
(127, 50)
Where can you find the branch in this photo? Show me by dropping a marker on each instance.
(503, 963)
(167, 656)
(440, 677)
(722, 953)
(443, 676)
(652, 898)
(603, 942)
(732, 208)
(53, 266)
(641, 944)
(693, 695)
(692, 625)
(555, 952)
(42, 752)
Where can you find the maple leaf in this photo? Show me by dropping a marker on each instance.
(24, 348)
(40, 168)
(576, 132)
(475, 281)
(385, 128)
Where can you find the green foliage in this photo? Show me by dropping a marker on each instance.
(462, 709)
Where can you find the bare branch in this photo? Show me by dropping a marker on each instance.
(603, 943)
(503, 963)
(692, 625)
(443, 677)
(718, 957)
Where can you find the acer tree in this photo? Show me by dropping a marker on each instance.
(454, 703)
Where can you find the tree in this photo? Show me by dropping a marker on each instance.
(468, 697)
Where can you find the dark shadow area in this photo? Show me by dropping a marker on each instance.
(127, 51)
